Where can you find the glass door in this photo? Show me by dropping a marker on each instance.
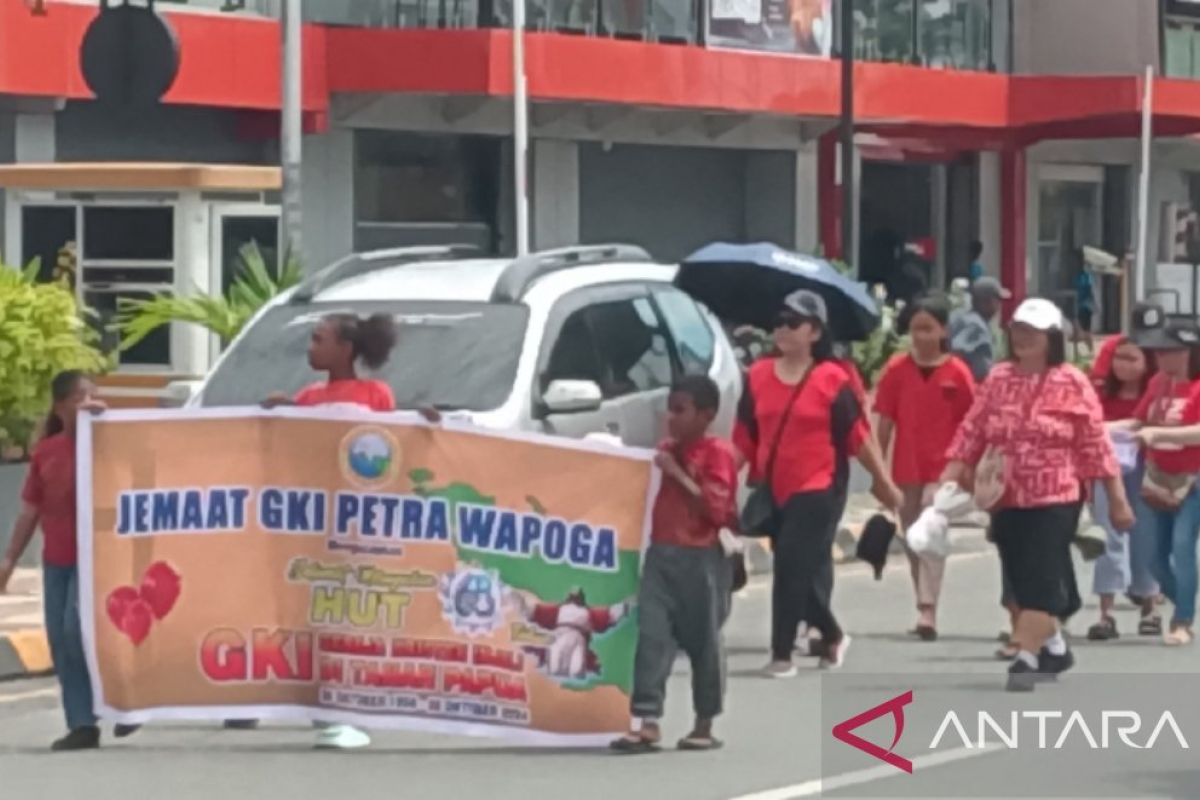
(1070, 215)
(234, 227)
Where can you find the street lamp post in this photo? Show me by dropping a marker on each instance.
(849, 201)
(520, 127)
(291, 131)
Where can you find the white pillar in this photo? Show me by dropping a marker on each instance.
(329, 211)
(291, 134)
(192, 350)
(989, 211)
(808, 207)
(555, 193)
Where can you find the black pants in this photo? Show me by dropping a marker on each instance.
(803, 577)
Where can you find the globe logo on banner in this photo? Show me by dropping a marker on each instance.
(369, 456)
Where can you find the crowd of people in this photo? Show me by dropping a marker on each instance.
(1032, 437)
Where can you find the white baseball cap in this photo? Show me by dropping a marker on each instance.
(1039, 314)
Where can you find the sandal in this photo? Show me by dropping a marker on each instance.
(1103, 631)
(1178, 637)
(633, 744)
(926, 633)
(1008, 652)
(694, 743)
(1150, 626)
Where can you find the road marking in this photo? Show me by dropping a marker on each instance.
(34, 695)
(816, 787)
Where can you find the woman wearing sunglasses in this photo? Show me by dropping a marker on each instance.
(799, 423)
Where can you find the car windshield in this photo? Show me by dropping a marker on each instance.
(449, 355)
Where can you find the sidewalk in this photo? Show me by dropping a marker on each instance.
(23, 647)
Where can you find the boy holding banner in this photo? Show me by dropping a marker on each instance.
(686, 579)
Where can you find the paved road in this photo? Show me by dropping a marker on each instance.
(774, 729)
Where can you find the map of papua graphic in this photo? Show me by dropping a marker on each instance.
(553, 582)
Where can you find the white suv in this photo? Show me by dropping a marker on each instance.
(573, 341)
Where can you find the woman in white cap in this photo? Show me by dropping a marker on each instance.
(1034, 436)
(799, 423)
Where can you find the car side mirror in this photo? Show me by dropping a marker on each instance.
(572, 397)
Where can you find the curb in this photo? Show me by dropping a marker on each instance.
(24, 654)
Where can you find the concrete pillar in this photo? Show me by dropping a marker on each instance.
(808, 199)
(328, 211)
(555, 193)
(34, 138)
(1013, 223)
(192, 350)
(989, 211)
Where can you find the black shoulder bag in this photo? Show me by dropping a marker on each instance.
(760, 515)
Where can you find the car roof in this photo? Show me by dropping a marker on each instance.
(475, 280)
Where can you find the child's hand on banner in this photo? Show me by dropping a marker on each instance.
(7, 567)
(276, 399)
(93, 406)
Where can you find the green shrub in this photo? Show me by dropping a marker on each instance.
(42, 333)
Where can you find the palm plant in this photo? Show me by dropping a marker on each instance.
(254, 285)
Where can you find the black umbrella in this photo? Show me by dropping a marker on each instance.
(746, 284)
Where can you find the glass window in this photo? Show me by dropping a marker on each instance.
(483, 341)
(694, 339)
(128, 233)
(574, 356)
(632, 346)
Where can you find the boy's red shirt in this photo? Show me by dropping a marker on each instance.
(710, 462)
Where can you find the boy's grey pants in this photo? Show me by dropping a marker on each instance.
(682, 604)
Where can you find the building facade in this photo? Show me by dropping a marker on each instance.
(663, 123)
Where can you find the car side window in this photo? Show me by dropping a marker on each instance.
(574, 355)
(694, 339)
(633, 346)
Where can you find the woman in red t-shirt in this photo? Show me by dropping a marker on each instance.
(1121, 374)
(922, 397)
(799, 422)
(49, 501)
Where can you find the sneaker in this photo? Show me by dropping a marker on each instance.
(780, 669)
(125, 731)
(835, 658)
(85, 738)
(342, 737)
(1052, 665)
(1022, 677)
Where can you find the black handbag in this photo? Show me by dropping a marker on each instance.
(760, 515)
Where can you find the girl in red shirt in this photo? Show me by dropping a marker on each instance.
(49, 501)
(1173, 512)
(1120, 375)
(338, 343)
(798, 424)
(921, 399)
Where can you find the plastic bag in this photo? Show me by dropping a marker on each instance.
(930, 534)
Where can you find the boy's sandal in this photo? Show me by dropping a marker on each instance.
(1150, 626)
(926, 633)
(1178, 637)
(697, 743)
(633, 743)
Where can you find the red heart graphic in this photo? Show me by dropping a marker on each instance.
(118, 601)
(137, 621)
(160, 588)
